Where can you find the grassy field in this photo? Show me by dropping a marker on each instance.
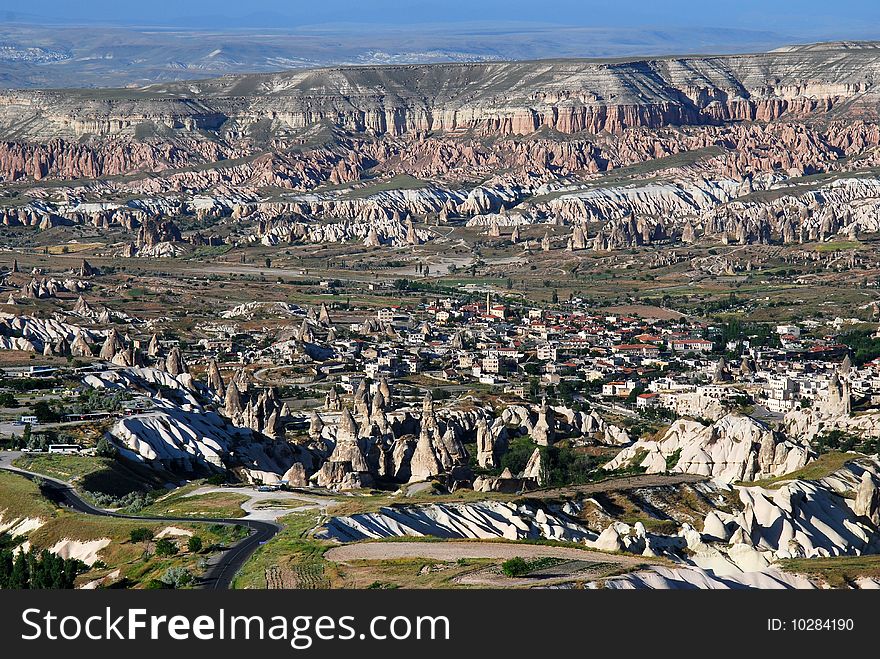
(400, 182)
(837, 572)
(181, 504)
(290, 560)
(93, 474)
(72, 248)
(137, 563)
(62, 467)
(836, 245)
(825, 465)
(20, 497)
(626, 277)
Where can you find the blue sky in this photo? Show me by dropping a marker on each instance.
(815, 18)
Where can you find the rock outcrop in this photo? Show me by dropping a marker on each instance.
(734, 448)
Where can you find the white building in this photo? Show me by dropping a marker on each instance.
(492, 364)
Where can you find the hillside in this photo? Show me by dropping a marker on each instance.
(568, 96)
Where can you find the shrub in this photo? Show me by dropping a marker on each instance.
(519, 567)
(106, 449)
(515, 567)
(140, 535)
(44, 412)
(156, 584)
(864, 345)
(133, 501)
(177, 577)
(8, 399)
(672, 459)
(194, 544)
(518, 454)
(564, 465)
(165, 547)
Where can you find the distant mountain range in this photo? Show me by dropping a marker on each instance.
(115, 56)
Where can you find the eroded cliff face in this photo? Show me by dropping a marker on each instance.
(735, 150)
(59, 158)
(568, 96)
(565, 96)
(375, 150)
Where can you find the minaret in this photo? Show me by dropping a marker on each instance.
(488, 304)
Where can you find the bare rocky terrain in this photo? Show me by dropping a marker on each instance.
(636, 151)
(495, 98)
(628, 306)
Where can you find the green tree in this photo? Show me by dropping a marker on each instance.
(20, 576)
(165, 547)
(44, 412)
(194, 544)
(439, 394)
(140, 535)
(106, 449)
(515, 567)
(32, 570)
(518, 454)
(635, 393)
(8, 399)
(7, 560)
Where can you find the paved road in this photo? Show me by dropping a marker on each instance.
(219, 575)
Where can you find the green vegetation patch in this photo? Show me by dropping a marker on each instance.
(400, 182)
(863, 344)
(837, 572)
(520, 567)
(821, 467)
(63, 467)
(95, 477)
(20, 498)
(212, 504)
(289, 560)
(137, 560)
(837, 245)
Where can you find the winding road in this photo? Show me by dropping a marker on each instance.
(222, 571)
(219, 575)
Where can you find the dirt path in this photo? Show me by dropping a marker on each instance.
(299, 502)
(452, 551)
